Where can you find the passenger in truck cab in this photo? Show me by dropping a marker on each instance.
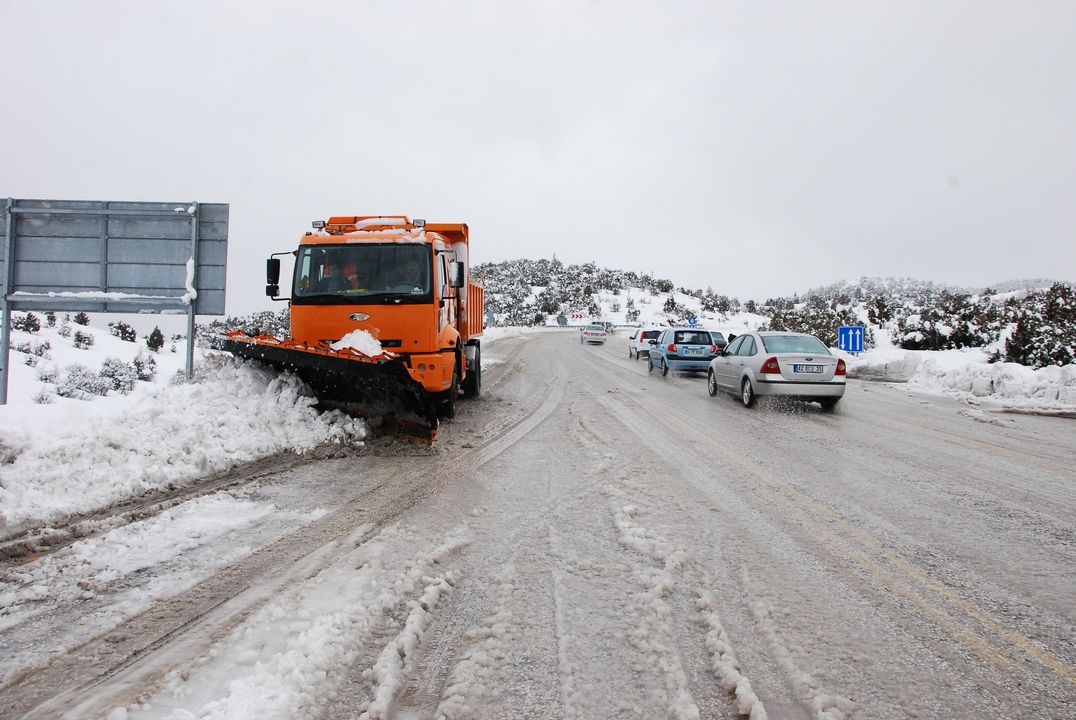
(353, 278)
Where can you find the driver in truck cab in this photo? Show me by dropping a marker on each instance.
(411, 275)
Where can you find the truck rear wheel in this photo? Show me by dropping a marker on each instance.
(472, 384)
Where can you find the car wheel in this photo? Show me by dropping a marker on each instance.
(664, 368)
(828, 405)
(649, 365)
(711, 383)
(629, 353)
(747, 393)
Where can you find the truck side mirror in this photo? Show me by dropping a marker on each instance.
(455, 274)
(272, 271)
(272, 290)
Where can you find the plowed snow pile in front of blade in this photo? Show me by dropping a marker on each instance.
(70, 459)
(376, 385)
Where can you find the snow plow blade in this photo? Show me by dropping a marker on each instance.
(347, 380)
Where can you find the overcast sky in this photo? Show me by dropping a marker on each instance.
(760, 148)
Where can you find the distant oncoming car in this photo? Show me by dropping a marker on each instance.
(638, 343)
(794, 365)
(593, 333)
(683, 349)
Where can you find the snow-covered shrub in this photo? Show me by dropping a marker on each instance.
(82, 340)
(879, 310)
(155, 340)
(952, 320)
(266, 322)
(50, 318)
(818, 319)
(1045, 330)
(123, 331)
(65, 329)
(145, 366)
(42, 397)
(27, 323)
(121, 376)
(81, 383)
(82, 319)
(21, 347)
(42, 349)
(47, 373)
(31, 360)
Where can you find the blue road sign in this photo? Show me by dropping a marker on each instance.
(850, 338)
(692, 322)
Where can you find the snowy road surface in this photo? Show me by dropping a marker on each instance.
(585, 541)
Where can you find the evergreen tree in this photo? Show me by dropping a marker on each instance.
(155, 340)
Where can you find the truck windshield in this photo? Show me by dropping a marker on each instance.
(387, 272)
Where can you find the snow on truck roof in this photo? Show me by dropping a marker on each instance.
(341, 229)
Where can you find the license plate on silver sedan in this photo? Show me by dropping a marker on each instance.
(807, 368)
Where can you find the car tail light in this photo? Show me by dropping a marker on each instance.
(771, 367)
(713, 349)
(672, 348)
(842, 369)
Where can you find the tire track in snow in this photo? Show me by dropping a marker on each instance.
(479, 666)
(394, 665)
(565, 669)
(675, 560)
(295, 644)
(656, 615)
(823, 704)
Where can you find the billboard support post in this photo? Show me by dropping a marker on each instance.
(192, 285)
(5, 331)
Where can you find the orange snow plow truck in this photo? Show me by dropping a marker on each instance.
(385, 319)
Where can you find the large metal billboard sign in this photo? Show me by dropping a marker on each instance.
(117, 257)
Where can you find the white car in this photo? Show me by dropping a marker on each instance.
(639, 342)
(593, 333)
(788, 364)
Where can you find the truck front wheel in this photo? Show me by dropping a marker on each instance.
(447, 407)
(472, 384)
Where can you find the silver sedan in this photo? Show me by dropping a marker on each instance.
(787, 364)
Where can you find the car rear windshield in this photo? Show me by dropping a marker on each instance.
(718, 338)
(650, 334)
(793, 344)
(596, 328)
(692, 337)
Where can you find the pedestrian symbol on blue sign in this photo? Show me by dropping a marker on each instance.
(692, 322)
(850, 338)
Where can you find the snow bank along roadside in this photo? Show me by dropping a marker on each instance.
(74, 456)
(79, 456)
(968, 374)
